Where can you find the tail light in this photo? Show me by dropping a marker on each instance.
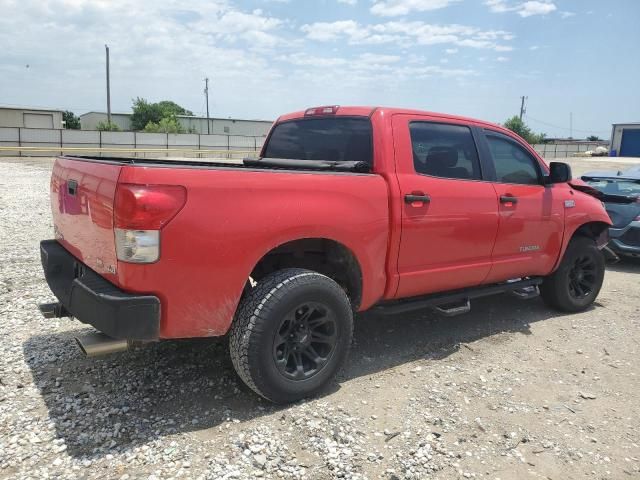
(140, 212)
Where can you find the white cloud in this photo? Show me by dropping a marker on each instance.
(158, 50)
(530, 8)
(258, 64)
(407, 34)
(395, 8)
(567, 14)
(502, 59)
(524, 9)
(348, 2)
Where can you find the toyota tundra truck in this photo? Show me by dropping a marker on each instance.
(346, 209)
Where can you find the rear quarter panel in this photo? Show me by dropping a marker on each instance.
(232, 218)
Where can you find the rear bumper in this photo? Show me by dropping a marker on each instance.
(93, 300)
(626, 241)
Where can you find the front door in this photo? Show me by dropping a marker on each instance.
(449, 213)
(531, 216)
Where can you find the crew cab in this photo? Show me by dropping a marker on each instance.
(346, 209)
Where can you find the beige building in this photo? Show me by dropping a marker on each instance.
(217, 126)
(30, 118)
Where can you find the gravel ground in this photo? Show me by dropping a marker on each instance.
(511, 390)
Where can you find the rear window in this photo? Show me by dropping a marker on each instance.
(614, 186)
(335, 139)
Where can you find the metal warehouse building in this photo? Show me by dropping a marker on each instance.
(30, 117)
(625, 139)
(221, 126)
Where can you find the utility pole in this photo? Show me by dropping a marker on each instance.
(522, 107)
(106, 47)
(570, 124)
(206, 94)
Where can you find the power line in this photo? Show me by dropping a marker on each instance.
(529, 117)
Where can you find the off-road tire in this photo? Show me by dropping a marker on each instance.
(556, 290)
(257, 322)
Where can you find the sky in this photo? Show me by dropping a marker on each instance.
(571, 58)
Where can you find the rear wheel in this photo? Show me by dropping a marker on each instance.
(291, 334)
(574, 286)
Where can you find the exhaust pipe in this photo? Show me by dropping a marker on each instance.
(97, 344)
(53, 310)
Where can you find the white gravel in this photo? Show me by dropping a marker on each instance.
(511, 390)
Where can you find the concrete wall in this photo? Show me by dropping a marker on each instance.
(25, 118)
(218, 126)
(551, 150)
(173, 145)
(54, 142)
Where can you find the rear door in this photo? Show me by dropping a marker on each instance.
(531, 214)
(449, 213)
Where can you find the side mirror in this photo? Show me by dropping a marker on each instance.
(559, 172)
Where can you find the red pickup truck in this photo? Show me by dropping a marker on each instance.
(347, 209)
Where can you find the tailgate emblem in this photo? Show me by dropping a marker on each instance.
(72, 187)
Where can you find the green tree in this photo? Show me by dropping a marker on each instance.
(516, 125)
(145, 112)
(105, 126)
(165, 125)
(594, 138)
(167, 107)
(71, 121)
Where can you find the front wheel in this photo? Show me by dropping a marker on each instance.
(291, 334)
(574, 286)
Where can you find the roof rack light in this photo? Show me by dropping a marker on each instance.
(328, 110)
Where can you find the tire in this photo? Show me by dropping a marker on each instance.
(289, 317)
(574, 286)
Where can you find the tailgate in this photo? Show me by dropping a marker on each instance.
(82, 199)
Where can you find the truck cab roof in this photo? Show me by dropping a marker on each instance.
(368, 111)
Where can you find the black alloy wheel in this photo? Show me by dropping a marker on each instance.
(582, 277)
(305, 341)
(575, 284)
(291, 334)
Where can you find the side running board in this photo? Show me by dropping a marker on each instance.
(457, 302)
(450, 310)
(527, 292)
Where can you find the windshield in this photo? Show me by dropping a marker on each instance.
(613, 186)
(333, 139)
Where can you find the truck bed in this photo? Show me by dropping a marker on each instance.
(247, 163)
(233, 216)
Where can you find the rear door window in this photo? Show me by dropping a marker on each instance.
(443, 150)
(333, 139)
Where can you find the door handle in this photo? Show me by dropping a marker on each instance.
(508, 199)
(411, 198)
